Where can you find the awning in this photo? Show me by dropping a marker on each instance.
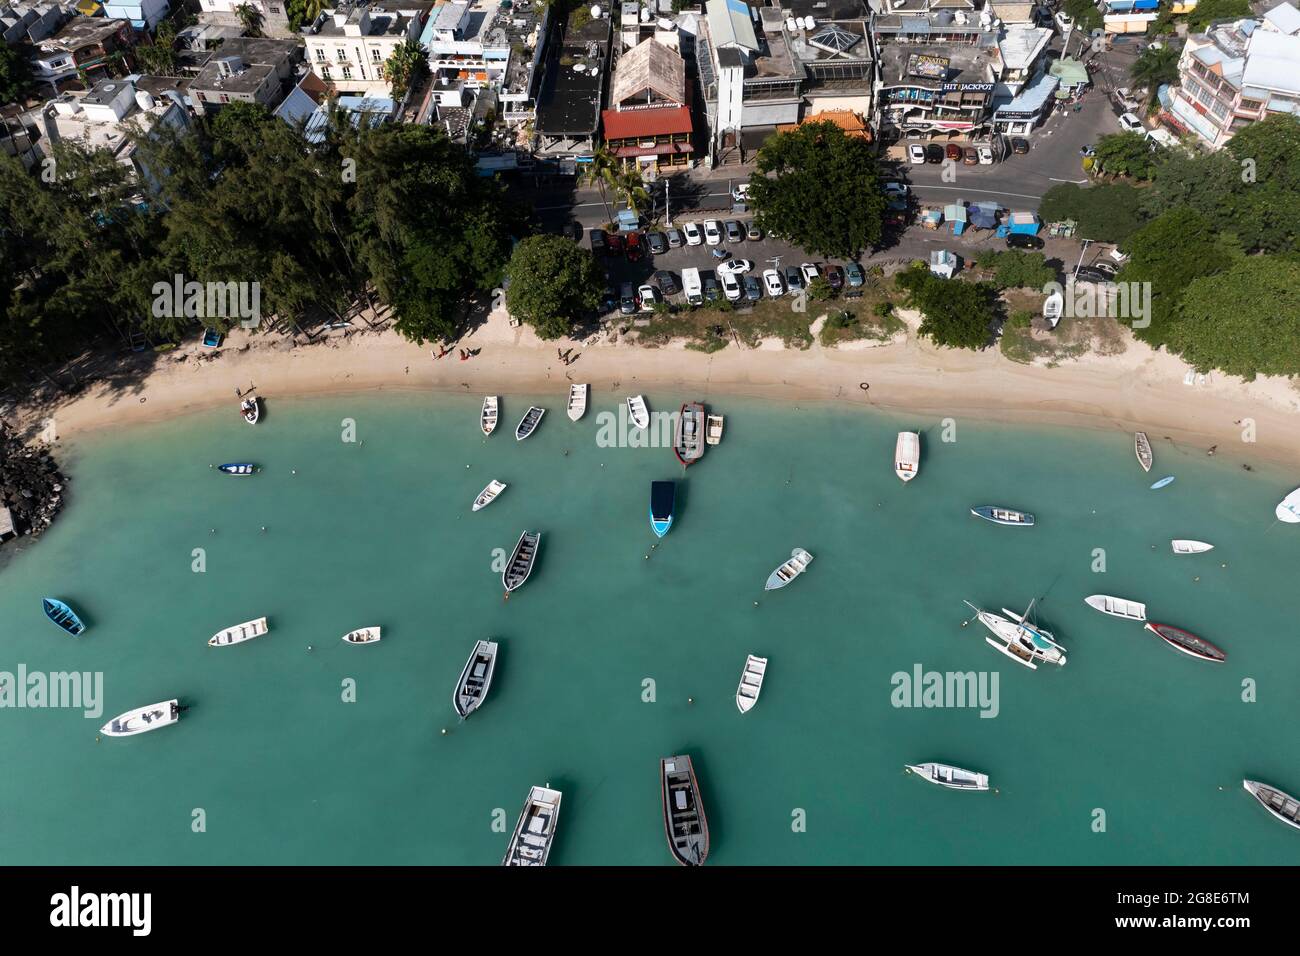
(983, 215)
(1029, 102)
(954, 212)
(659, 149)
(642, 124)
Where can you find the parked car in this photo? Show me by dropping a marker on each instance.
(772, 283)
(934, 153)
(598, 244)
(854, 274)
(675, 240)
(667, 282)
(752, 232)
(1019, 145)
(794, 278)
(835, 277)
(740, 193)
(733, 230)
(626, 299)
(1094, 273)
(613, 244)
(635, 247)
(896, 189)
(646, 297)
(916, 153)
(1129, 123)
(898, 212)
(693, 234)
(970, 157)
(986, 154)
(730, 287)
(809, 271)
(711, 290)
(953, 151)
(657, 242)
(1022, 240)
(734, 267)
(712, 232)
(753, 289)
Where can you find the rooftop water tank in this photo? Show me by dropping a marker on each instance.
(790, 24)
(809, 23)
(144, 100)
(645, 14)
(595, 13)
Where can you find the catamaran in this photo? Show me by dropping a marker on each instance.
(907, 455)
(751, 683)
(239, 633)
(1280, 804)
(1024, 642)
(639, 411)
(954, 778)
(488, 419)
(1117, 607)
(577, 401)
(530, 844)
(489, 494)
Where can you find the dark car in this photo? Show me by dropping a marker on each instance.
(953, 151)
(1022, 240)
(753, 288)
(834, 277)
(733, 230)
(1094, 273)
(667, 282)
(794, 278)
(635, 247)
(627, 299)
(712, 291)
(609, 298)
(853, 272)
(613, 244)
(934, 153)
(898, 212)
(970, 157)
(598, 243)
(1019, 145)
(658, 243)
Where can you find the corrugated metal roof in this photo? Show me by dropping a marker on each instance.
(1271, 61)
(729, 24)
(649, 65)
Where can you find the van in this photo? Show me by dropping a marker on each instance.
(692, 286)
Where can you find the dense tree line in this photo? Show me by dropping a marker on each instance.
(393, 215)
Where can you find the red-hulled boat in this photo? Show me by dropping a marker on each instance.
(1188, 643)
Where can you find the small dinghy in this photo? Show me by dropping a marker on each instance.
(684, 820)
(1117, 607)
(488, 419)
(1142, 448)
(1187, 643)
(577, 401)
(1053, 307)
(1281, 805)
(751, 683)
(239, 633)
(638, 411)
(713, 430)
(475, 679)
(521, 561)
(489, 494)
(528, 424)
(530, 844)
(663, 496)
(788, 571)
(907, 455)
(1187, 546)
(62, 615)
(1163, 483)
(1004, 516)
(143, 719)
(364, 635)
(251, 409)
(240, 469)
(688, 439)
(954, 778)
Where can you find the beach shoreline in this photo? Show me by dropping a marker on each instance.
(1138, 389)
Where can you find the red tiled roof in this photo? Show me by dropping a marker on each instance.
(634, 124)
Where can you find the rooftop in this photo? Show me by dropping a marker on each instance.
(248, 79)
(569, 97)
(934, 64)
(375, 18)
(83, 31)
(1271, 62)
(649, 66)
(730, 24)
(1284, 18)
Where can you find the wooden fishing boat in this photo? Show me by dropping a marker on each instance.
(1163, 483)
(530, 844)
(688, 438)
(1117, 607)
(364, 635)
(789, 570)
(713, 429)
(663, 497)
(954, 778)
(907, 455)
(489, 494)
(751, 683)
(528, 424)
(638, 411)
(1004, 516)
(143, 719)
(475, 679)
(577, 401)
(1281, 805)
(1142, 448)
(488, 418)
(684, 820)
(251, 409)
(239, 633)
(521, 561)
(240, 469)
(62, 615)
(1188, 546)
(1186, 642)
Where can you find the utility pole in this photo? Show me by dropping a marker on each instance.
(668, 209)
(1081, 255)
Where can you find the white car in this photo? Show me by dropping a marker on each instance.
(712, 232)
(985, 153)
(740, 193)
(648, 296)
(730, 286)
(772, 283)
(1131, 124)
(692, 233)
(916, 153)
(809, 271)
(734, 267)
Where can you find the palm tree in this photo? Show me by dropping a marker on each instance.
(1154, 68)
(602, 171)
(629, 184)
(312, 10)
(251, 18)
(405, 67)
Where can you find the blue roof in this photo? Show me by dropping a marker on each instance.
(1032, 97)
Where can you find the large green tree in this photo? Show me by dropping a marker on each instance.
(405, 67)
(955, 313)
(15, 74)
(554, 283)
(1104, 213)
(1155, 66)
(1208, 11)
(819, 188)
(1125, 154)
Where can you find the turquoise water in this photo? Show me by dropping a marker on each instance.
(379, 532)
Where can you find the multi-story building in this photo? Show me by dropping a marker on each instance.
(1236, 74)
(142, 14)
(275, 14)
(575, 73)
(649, 122)
(31, 22)
(1129, 16)
(349, 44)
(477, 45)
(245, 70)
(94, 46)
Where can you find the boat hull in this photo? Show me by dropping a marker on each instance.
(663, 501)
(520, 566)
(489, 494)
(638, 411)
(238, 469)
(251, 410)
(528, 424)
(239, 633)
(488, 417)
(530, 844)
(143, 719)
(685, 824)
(951, 778)
(1186, 642)
(688, 440)
(1117, 607)
(577, 402)
(1281, 805)
(788, 570)
(751, 683)
(62, 616)
(362, 635)
(907, 455)
(1142, 448)
(475, 679)
(1288, 509)
(1004, 516)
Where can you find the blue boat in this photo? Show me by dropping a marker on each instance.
(1162, 482)
(62, 615)
(663, 494)
(240, 469)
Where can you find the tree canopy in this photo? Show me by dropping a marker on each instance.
(554, 283)
(1105, 213)
(15, 74)
(1125, 154)
(819, 188)
(955, 313)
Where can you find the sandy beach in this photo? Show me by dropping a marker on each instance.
(1138, 389)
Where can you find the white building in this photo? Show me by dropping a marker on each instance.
(349, 44)
(275, 14)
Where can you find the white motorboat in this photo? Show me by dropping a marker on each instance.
(577, 401)
(751, 683)
(530, 844)
(789, 570)
(954, 778)
(638, 411)
(364, 635)
(251, 409)
(488, 419)
(239, 633)
(143, 719)
(713, 430)
(907, 455)
(1288, 509)
(1281, 805)
(489, 494)
(1053, 307)
(1117, 607)
(1187, 546)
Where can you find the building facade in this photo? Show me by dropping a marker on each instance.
(349, 44)
(649, 122)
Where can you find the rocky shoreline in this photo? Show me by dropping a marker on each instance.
(31, 485)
